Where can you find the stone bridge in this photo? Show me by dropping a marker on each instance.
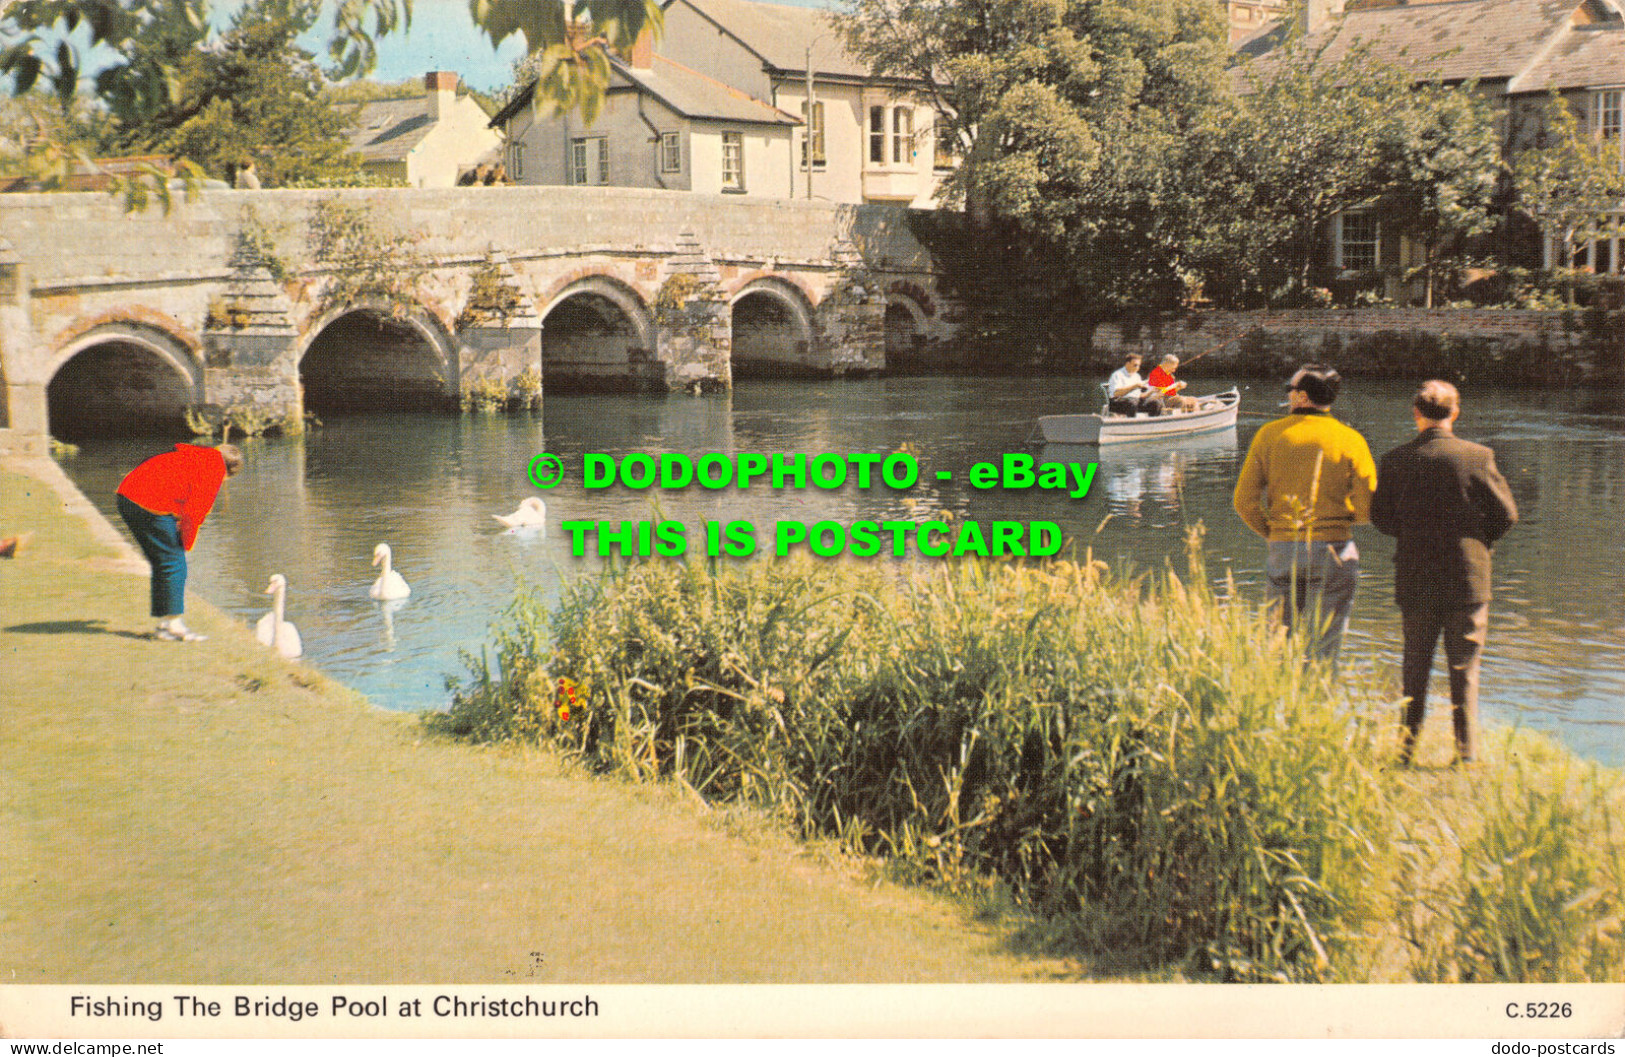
(285, 301)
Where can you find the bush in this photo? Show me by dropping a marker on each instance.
(1150, 770)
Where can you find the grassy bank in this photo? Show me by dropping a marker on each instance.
(1143, 765)
(209, 814)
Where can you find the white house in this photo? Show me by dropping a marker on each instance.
(723, 107)
(662, 125)
(426, 141)
(873, 138)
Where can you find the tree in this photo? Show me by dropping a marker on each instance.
(152, 37)
(1066, 113)
(252, 94)
(1440, 164)
(1301, 143)
(1567, 181)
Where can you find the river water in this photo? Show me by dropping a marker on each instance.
(313, 509)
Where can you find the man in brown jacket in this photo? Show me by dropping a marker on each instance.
(1445, 502)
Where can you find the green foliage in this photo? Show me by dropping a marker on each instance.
(158, 41)
(1067, 114)
(364, 261)
(569, 53)
(1143, 765)
(1150, 769)
(244, 420)
(483, 395)
(1439, 168)
(252, 94)
(1568, 181)
(1535, 890)
(527, 389)
(492, 298)
(1308, 138)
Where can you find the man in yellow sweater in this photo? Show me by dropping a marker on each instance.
(1307, 481)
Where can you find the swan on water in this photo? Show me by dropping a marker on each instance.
(274, 631)
(390, 583)
(532, 513)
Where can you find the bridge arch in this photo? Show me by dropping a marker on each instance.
(598, 333)
(368, 357)
(773, 332)
(122, 377)
(905, 324)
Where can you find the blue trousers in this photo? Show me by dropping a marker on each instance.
(160, 538)
(1315, 581)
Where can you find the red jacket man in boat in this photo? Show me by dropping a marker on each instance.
(1162, 382)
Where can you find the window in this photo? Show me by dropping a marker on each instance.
(589, 160)
(946, 154)
(814, 131)
(877, 134)
(902, 138)
(1357, 242)
(1608, 118)
(516, 160)
(671, 152)
(733, 161)
(1606, 115)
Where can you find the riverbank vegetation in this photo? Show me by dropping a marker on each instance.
(1117, 160)
(1141, 764)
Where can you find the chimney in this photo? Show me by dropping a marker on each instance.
(1320, 14)
(442, 90)
(643, 51)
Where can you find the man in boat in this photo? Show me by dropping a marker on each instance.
(1307, 480)
(1445, 502)
(1162, 383)
(1128, 392)
(164, 501)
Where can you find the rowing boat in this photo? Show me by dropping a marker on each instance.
(1213, 413)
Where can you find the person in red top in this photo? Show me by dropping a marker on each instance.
(1162, 381)
(164, 501)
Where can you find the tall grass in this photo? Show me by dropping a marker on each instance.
(1145, 765)
(1520, 875)
(1149, 769)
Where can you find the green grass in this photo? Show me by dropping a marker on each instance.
(207, 813)
(1144, 769)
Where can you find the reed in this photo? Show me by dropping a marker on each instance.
(1530, 885)
(1143, 764)
(1150, 770)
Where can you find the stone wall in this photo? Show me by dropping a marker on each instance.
(1511, 344)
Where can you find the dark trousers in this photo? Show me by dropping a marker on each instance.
(160, 538)
(1464, 629)
(1128, 405)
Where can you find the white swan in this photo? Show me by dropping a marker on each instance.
(272, 630)
(390, 583)
(532, 513)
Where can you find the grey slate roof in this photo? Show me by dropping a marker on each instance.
(688, 92)
(780, 34)
(1584, 55)
(694, 95)
(1531, 44)
(388, 129)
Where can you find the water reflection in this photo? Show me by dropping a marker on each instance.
(314, 509)
(1144, 483)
